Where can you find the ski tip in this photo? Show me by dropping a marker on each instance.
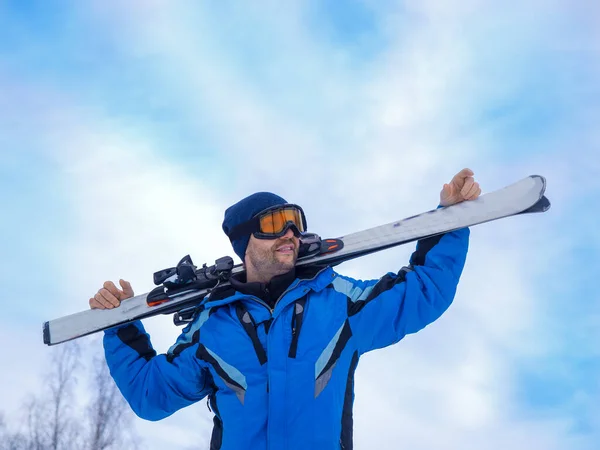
(542, 205)
(46, 332)
(541, 179)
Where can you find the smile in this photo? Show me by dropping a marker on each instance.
(286, 249)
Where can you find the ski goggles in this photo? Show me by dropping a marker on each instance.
(272, 223)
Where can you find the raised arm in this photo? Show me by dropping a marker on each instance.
(382, 312)
(155, 386)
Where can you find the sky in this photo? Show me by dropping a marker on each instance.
(128, 127)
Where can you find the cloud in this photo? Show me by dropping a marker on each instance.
(129, 213)
(358, 140)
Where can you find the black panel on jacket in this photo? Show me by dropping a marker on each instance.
(423, 247)
(131, 336)
(347, 419)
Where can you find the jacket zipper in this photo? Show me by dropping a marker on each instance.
(258, 300)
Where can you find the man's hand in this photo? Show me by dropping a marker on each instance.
(462, 187)
(110, 296)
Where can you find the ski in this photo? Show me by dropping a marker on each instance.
(181, 289)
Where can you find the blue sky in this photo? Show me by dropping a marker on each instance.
(126, 129)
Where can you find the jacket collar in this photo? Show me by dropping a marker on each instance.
(314, 278)
(268, 292)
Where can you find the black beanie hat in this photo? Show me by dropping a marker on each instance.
(243, 211)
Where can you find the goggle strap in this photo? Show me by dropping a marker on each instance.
(244, 229)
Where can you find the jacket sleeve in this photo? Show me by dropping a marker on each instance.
(155, 386)
(381, 312)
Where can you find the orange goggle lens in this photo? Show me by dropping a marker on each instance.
(275, 221)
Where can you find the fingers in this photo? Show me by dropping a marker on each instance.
(99, 302)
(127, 289)
(471, 190)
(95, 304)
(446, 194)
(460, 176)
(107, 299)
(469, 182)
(462, 187)
(114, 290)
(110, 296)
(474, 192)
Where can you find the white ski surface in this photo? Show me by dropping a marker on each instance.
(509, 201)
(504, 202)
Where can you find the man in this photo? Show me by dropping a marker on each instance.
(276, 352)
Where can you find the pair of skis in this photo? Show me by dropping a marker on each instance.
(181, 289)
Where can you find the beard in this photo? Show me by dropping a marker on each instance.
(268, 261)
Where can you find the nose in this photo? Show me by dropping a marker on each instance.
(289, 234)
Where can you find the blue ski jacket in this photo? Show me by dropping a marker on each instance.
(283, 378)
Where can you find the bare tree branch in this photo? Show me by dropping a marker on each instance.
(65, 363)
(54, 420)
(37, 429)
(9, 440)
(110, 419)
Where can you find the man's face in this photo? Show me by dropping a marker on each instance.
(267, 258)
